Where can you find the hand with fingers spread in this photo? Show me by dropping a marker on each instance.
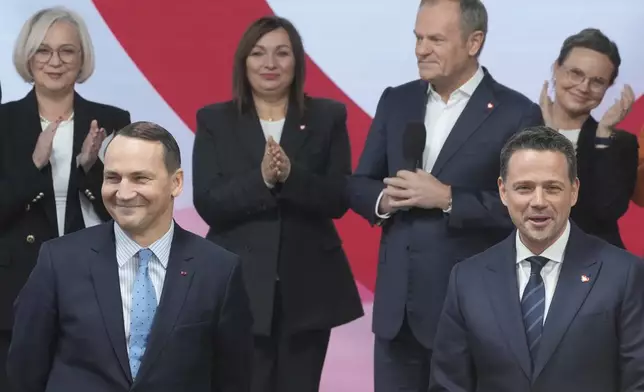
(616, 113)
(91, 146)
(42, 152)
(546, 104)
(417, 189)
(281, 163)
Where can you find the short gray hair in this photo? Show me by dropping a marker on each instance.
(33, 33)
(473, 17)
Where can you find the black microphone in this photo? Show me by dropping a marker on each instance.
(413, 145)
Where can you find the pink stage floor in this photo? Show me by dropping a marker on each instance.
(349, 362)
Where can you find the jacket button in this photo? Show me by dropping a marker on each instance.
(31, 239)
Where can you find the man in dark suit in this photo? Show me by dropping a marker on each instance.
(138, 303)
(550, 308)
(448, 211)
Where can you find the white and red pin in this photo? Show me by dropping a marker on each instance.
(302, 127)
(490, 105)
(585, 278)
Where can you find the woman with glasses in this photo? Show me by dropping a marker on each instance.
(587, 66)
(50, 172)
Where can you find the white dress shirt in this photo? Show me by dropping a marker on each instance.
(572, 135)
(273, 128)
(549, 272)
(440, 117)
(61, 165)
(128, 264)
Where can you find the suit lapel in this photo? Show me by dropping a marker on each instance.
(105, 277)
(295, 131)
(479, 107)
(177, 283)
(502, 288)
(73, 216)
(570, 294)
(251, 135)
(33, 129)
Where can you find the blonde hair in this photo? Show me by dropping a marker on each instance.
(35, 29)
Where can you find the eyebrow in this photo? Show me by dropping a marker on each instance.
(278, 46)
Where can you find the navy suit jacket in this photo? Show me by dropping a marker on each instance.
(593, 337)
(69, 336)
(419, 247)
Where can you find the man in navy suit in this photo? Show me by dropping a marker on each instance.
(137, 304)
(449, 210)
(550, 308)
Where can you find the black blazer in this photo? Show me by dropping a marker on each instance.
(287, 232)
(27, 205)
(607, 177)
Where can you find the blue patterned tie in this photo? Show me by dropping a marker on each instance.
(533, 304)
(144, 305)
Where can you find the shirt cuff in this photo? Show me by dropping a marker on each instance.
(379, 215)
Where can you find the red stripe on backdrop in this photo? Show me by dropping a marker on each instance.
(632, 224)
(185, 50)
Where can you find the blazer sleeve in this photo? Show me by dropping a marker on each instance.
(366, 184)
(631, 334)
(24, 181)
(33, 343)
(92, 181)
(233, 339)
(615, 175)
(221, 199)
(323, 194)
(477, 208)
(452, 368)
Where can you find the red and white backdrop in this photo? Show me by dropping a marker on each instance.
(163, 59)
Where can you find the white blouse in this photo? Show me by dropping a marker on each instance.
(60, 161)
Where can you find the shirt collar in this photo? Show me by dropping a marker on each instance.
(126, 247)
(554, 252)
(467, 88)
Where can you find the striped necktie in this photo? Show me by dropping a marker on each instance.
(533, 304)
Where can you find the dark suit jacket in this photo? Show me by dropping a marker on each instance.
(607, 178)
(27, 204)
(592, 339)
(286, 232)
(69, 334)
(419, 247)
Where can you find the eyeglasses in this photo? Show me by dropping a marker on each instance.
(66, 54)
(577, 76)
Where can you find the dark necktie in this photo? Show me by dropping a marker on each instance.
(533, 305)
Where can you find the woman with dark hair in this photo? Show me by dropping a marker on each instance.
(587, 66)
(269, 177)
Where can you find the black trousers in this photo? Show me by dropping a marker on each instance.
(288, 362)
(5, 339)
(401, 364)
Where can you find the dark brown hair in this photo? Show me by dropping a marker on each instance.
(241, 86)
(150, 131)
(595, 40)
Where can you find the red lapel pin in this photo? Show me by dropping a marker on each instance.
(184, 273)
(585, 278)
(490, 105)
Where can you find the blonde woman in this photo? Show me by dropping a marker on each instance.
(50, 174)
